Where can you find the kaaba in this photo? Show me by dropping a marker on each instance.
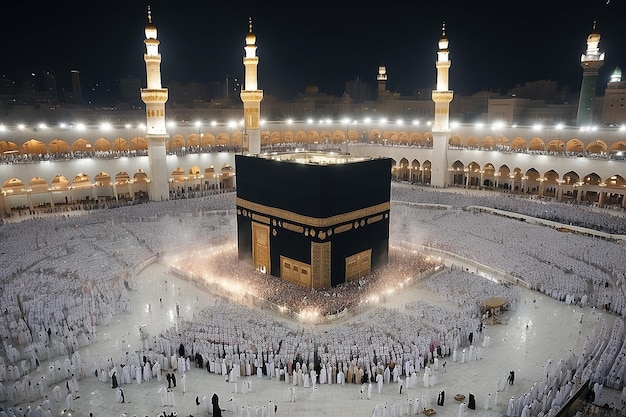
(316, 219)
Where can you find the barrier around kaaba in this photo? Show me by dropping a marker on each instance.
(313, 218)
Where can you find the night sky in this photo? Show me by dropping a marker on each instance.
(493, 45)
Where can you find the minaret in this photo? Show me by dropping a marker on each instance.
(381, 79)
(155, 96)
(442, 97)
(251, 97)
(591, 62)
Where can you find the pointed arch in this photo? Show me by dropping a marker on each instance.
(300, 136)
(138, 143)
(455, 141)
(58, 146)
(550, 183)
(118, 144)
(33, 147)
(403, 169)
(14, 186)
(325, 136)
(194, 140)
(82, 145)
(38, 184)
(575, 145)
(571, 178)
(597, 147)
(59, 183)
(473, 174)
(102, 145)
(208, 140)
(427, 171)
(618, 148)
(81, 180)
(140, 177)
(194, 171)
(178, 175)
(236, 138)
(177, 143)
(504, 177)
(551, 179)
(533, 181)
(288, 136)
(458, 173)
(312, 137)
(592, 179)
(616, 181)
(375, 136)
(502, 143)
(472, 142)
(555, 145)
(536, 144)
(489, 176)
(488, 142)
(415, 138)
(8, 147)
(274, 138)
(518, 144)
(102, 179)
(339, 136)
(122, 178)
(428, 139)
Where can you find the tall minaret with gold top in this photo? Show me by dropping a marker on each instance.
(155, 96)
(442, 97)
(251, 97)
(591, 62)
(381, 80)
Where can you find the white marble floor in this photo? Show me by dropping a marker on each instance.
(541, 328)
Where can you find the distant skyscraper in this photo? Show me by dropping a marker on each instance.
(155, 96)
(591, 62)
(77, 94)
(358, 90)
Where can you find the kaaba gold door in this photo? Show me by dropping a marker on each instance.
(261, 247)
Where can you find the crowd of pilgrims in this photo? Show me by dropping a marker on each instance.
(574, 214)
(53, 301)
(223, 271)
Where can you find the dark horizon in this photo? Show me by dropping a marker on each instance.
(325, 44)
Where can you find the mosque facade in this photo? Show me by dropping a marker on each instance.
(50, 168)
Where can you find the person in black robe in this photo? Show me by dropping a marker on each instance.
(217, 411)
(472, 402)
(174, 379)
(441, 398)
(181, 350)
(114, 380)
(169, 379)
